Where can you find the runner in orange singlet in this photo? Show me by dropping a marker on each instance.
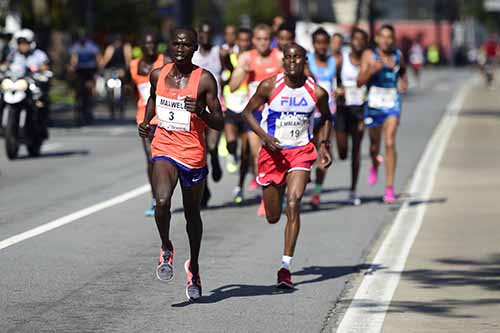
(258, 64)
(140, 69)
(180, 93)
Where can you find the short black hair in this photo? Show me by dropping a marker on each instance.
(287, 26)
(297, 46)
(339, 35)
(149, 33)
(357, 30)
(389, 27)
(320, 31)
(244, 30)
(191, 30)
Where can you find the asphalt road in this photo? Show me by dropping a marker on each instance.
(97, 273)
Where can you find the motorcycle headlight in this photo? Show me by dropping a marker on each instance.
(110, 83)
(7, 84)
(21, 85)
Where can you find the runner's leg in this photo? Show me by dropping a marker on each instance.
(191, 198)
(296, 184)
(390, 130)
(273, 202)
(165, 178)
(357, 138)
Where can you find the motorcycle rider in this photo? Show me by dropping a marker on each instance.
(28, 57)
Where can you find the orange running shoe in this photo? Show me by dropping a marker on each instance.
(165, 268)
(262, 209)
(193, 284)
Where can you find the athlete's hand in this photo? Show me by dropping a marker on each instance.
(340, 95)
(144, 130)
(190, 104)
(377, 66)
(325, 157)
(402, 86)
(272, 143)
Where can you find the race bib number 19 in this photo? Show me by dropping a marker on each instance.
(292, 130)
(172, 114)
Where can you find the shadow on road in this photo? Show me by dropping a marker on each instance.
(321, 273)
(62, 153)
(484, 274)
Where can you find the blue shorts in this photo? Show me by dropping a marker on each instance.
(187, 176)
(373, 120)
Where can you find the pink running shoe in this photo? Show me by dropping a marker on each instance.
(165, 268)
(389, 196)
(253, 185)
(193, 284)
(372, 176)
(315, 201)
(262, 209)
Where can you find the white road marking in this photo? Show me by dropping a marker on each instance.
(368, 308)
(74, 216)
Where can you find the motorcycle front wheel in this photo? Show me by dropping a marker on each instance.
(11, 134)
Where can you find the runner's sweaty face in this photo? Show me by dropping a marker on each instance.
(230, 35)
(244, 41)
(386, 40)
(284, 38)
(337, 42)
(321, 44)
(294, 61)
(150, 46)
(358, 43)
(182, 47)
(262, 41)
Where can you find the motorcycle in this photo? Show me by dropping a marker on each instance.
(23, 100)
(115, 92)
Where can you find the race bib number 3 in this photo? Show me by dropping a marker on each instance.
(172, 114)
(382, 98)
(292, 130)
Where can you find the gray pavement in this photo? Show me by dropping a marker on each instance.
(451, 282)
(97, 274)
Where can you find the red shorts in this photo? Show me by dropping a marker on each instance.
(273, 167)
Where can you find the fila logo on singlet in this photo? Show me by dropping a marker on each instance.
(293, 101)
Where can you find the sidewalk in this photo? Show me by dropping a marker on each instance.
(451, 281)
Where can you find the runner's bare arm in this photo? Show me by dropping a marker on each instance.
(239, 73)
(326, 126)
(368, 68)
(403, 77)
(150, 106)
(208, 94)
(260, 97)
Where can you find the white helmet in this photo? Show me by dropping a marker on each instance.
(26, 34)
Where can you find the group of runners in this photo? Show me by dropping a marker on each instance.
(279, 105)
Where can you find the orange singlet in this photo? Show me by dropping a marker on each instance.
(143, 87)
(260, 72)
(180, 134)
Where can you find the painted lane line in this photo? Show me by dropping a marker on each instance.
(368, 308)
(51, 146)
(74, 216)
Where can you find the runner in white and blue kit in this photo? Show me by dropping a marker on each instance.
(384, 72)
(323, 67)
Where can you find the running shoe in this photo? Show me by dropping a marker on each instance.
(372, 176)
(262, 209)
(165, 269)
(193, 284)
(253, 185)
(284, 279)
(354, 199)
(150, 212)
(389, 196)
(216, 168)
(231, 164)
(238, 195)
(315, 201)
